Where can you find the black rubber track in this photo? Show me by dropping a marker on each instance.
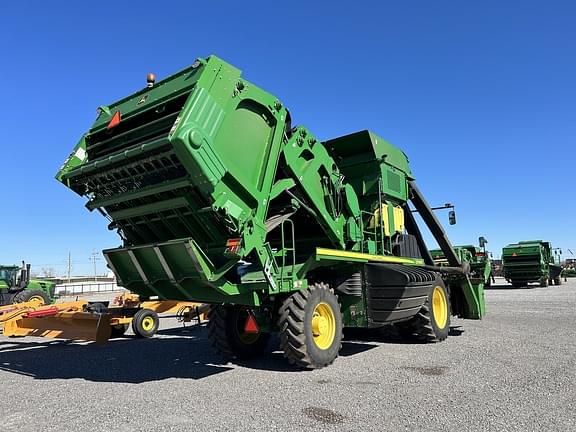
(421, 327)
(294, 321)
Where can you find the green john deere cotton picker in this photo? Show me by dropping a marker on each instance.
(530, 261)
(476, 256)
(219, 199)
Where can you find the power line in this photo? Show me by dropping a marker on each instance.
(95, 258)
(69, 267)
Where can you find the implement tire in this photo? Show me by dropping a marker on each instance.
(432, 322)
(38, 296)
(310, 325)
(117, 331)
(226, 332)
(145, 323)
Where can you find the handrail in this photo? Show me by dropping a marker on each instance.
(287, 249)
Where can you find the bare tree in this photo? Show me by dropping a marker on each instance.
(48, 272)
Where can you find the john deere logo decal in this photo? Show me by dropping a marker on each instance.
(142, 99)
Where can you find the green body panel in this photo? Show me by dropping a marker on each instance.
(529, 261)
(219, 199)
(478, 259)
(365, 158)
(473, 285)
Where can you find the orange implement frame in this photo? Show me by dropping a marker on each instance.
(73, 320)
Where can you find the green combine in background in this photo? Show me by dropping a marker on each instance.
(218, 198)
(17, 287)
(530, 261)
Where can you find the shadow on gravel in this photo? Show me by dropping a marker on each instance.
(186, 353)
(356, 347)
(508, 287)
(388, 335)
(275, 361)
(456, 331)
(183, 353)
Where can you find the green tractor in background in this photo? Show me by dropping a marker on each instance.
(17, 287)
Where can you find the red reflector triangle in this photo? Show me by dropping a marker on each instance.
(251, 326)
(514, 254)
(115, 120)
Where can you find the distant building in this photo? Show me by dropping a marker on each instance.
(83, 279)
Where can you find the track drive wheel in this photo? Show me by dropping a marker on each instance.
(432, 322)
(145, 323)
(310, 325)
(37, 296)
(226, 330)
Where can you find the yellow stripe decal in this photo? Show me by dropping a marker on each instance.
(366, 257)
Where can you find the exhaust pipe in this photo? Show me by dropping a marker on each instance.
(24, 275)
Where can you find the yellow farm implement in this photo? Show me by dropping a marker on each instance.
(94, 321)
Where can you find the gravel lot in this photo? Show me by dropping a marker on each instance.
(513, 371)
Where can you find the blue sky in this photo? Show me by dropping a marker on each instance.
(480, 95)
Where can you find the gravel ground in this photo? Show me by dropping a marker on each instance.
(513, 371)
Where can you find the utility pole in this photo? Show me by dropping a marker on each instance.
(95, 258)
(69, 266)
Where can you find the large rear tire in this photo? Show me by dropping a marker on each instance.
(310, 325)
(558, 281)
(227, 334)
(38, 296)
(432, 322)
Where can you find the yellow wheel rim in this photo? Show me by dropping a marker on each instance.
(36, 299)
(323, 326)
(148, 323)
(439, 307)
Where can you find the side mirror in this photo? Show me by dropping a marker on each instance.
(482, 241)
(452, 217)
